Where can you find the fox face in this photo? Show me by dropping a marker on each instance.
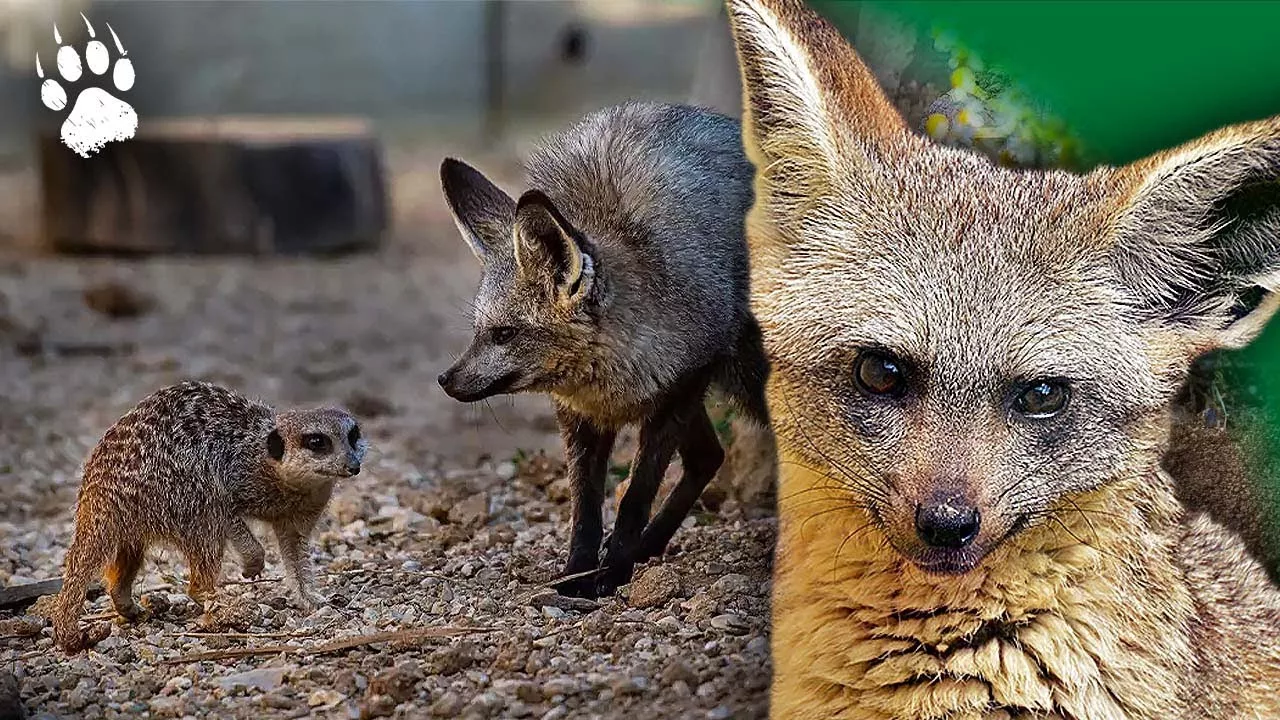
(534, 310)
(958, 350)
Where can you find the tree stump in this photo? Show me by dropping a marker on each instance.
(218, 186)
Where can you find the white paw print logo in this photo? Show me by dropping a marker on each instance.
(97, 117)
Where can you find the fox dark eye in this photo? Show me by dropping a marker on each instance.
(502, 335)
(316, 442)
(880, 374)
(1042, 399)
(353, 437)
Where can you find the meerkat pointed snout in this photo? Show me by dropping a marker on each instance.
(314, 446)
(185, 468)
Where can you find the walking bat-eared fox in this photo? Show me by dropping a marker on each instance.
(618, 285)
(972, 371)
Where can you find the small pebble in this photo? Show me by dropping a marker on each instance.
(729, 623)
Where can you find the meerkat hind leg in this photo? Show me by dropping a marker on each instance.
(204, 565)
(120, 575)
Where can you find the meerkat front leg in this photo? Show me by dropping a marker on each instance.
(248, 548)
(296, 554)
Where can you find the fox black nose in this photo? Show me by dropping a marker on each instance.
(947, 525)
(445, 378)
(353, 468)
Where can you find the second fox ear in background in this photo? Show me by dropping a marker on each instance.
(481, 210)
(1197, 235)
(546, 245)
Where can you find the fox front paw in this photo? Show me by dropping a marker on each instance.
(583, 587)
(613, 577)
(579, 576)
(616, 567)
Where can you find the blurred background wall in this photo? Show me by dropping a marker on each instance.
(444, 62)
(433, 75)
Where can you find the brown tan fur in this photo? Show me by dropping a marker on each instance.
(184, 468)
(1217, 469)
(1087, 591)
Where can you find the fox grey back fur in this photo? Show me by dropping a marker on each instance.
(655, 195)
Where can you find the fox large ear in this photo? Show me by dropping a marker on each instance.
(811, 108)
(481, 210)
(547, 245)
(1197, 238)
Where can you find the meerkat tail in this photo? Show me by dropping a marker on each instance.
(85, 561)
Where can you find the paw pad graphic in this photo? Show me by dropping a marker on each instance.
(97, 117)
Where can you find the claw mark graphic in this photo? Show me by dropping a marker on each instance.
(97, 117)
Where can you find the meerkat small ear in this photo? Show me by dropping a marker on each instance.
(275, 445)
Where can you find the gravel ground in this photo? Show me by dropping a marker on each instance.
(449, 534)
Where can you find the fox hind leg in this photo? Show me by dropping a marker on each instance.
(659, 438)
(701, 456)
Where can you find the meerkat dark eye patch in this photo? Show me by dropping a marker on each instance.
(317, 443)
(275, 445)
(353, 436)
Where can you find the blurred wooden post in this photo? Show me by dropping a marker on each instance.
(495, 42)
(217, 186)
(717, 84)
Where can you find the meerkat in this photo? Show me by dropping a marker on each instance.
(186, 467)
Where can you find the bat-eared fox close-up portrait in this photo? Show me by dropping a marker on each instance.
(797, 359)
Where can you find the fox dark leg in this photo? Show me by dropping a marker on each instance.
(701, 456)
(659, 437)
(587, 451)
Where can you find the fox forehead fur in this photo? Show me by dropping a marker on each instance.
(1089, 592)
